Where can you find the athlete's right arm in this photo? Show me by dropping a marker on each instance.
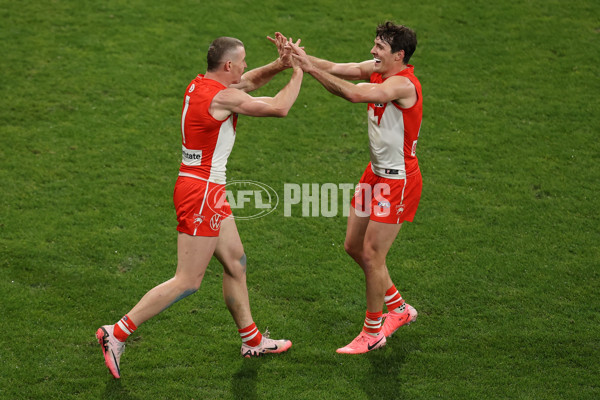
(258, 77)
(233, 100)
(348, 71)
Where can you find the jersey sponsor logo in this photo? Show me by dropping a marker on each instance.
(215, 222)
(392, 171)
(191, 157)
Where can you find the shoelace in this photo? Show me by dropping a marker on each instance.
(361, 339)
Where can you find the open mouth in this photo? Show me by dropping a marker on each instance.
(377, 60)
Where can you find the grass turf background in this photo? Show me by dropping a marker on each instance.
(501, 261)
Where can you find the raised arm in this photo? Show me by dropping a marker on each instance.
(395, 88)
(260, 76)
(232, 100)
(349, 71)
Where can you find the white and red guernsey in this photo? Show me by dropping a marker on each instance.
(393, 133)
(206, 142)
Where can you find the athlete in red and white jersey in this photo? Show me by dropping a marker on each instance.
(393, 132)
(206, 142)
(206, 228)
(389, 190)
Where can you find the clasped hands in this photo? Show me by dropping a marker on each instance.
(291, 54)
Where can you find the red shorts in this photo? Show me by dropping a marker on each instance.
(200, 206)
(391, 201)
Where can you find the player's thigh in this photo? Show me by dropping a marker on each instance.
(229, 248)
(379, 238)
(355, 230)
(194, 254)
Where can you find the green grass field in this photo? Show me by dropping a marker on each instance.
(502, 260)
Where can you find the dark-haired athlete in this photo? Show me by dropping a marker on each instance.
(390, 189)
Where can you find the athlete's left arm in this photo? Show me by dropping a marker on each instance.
(260, 76)
(396, 88)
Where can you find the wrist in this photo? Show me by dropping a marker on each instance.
(311, 69)
(280, 65)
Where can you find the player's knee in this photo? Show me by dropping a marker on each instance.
(372, 258)
(186, 292)
(235, 266)
(369, 251)
(189, 288)
(353, 250)
(188, 284)
(193, 286)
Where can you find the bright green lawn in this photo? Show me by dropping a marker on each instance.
(502, 261)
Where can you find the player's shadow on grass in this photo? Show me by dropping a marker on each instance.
(385, 377)
(243, 382)
(115, 390)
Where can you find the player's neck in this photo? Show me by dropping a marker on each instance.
(394, 71)
(219, 77)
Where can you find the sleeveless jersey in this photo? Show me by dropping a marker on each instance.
(206, 142)
(393, 132)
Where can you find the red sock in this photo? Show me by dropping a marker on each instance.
(124, 328)
(393, 300)
(250, 335)
(372, 323)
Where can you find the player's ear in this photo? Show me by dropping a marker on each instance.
(227, 65)
(399, 56)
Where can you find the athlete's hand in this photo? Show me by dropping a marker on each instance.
(284, 49)
(285, 56)
(290, 49)
(300, 57)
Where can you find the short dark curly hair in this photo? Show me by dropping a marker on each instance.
(399, 37)
(217, 50)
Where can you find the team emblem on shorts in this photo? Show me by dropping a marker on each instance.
(215, 222)
(198, 219)
(399, 209)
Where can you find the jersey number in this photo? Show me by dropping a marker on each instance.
(185, 108)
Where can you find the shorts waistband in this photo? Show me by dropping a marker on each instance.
(188, 175)
(391, 173)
